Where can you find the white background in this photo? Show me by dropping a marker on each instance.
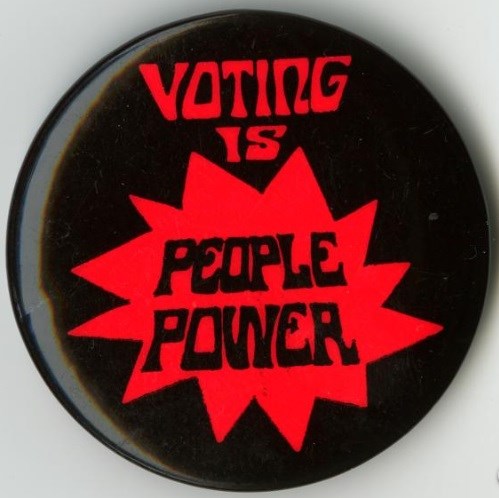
(453, 48)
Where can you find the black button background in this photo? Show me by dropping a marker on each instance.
(389, 141)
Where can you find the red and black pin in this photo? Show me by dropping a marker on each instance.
(244, 241)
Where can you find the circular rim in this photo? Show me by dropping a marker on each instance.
(13, 236)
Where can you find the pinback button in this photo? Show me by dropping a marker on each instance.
(248, 251)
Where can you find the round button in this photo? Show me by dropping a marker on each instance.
(248, 251)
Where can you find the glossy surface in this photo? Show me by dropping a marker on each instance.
(388, 141)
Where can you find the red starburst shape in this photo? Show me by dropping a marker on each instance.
(218, 205)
